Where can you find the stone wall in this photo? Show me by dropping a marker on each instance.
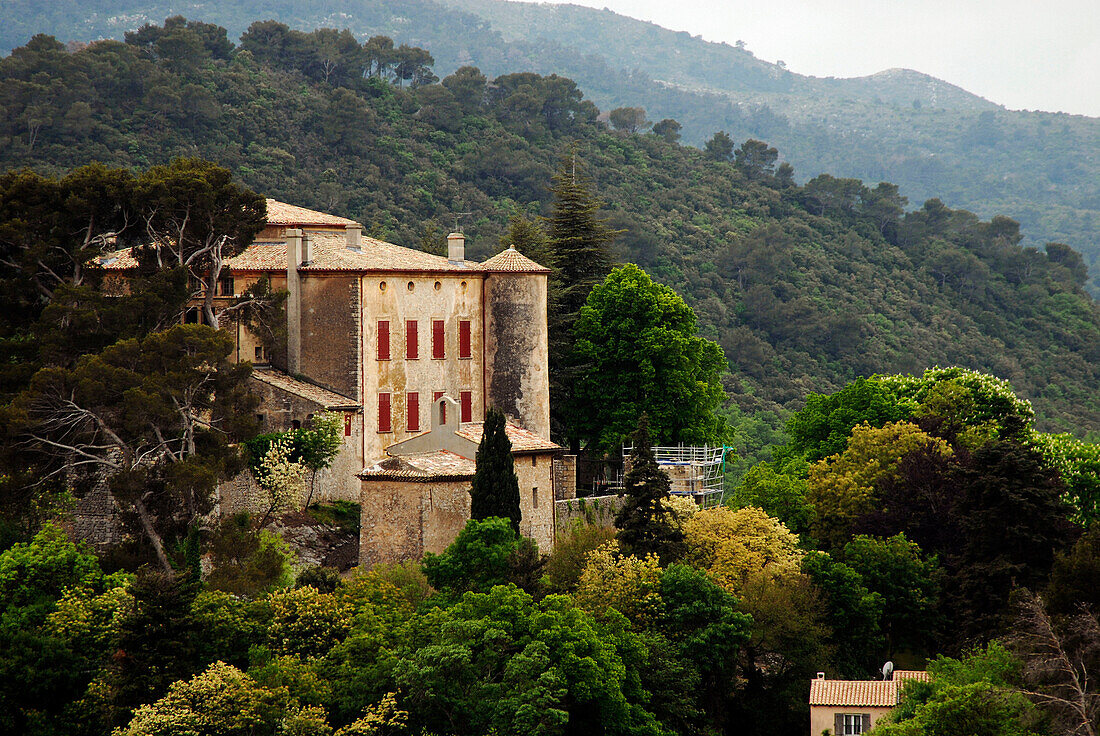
(597, 510)
(401, 520)
(330, 332)
(536, 498)
(95, 519)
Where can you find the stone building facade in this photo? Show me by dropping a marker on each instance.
(381, 333)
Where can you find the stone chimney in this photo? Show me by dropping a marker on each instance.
(293, 301)
(456, 248)
(354, 237)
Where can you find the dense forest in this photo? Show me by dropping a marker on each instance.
(804, 287)
(933, 516)
(927, 136)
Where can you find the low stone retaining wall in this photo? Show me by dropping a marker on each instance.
(596, 510)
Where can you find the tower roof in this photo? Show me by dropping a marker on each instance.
(514, 261)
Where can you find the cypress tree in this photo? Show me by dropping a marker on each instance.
(580, 248)
(495, 489)
(645, 524)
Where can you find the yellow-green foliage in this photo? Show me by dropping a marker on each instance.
(221, 700)
(92, 619)
(384, 719)
(682, 508)
(306, 622)
(736, 546)
(841, 487)
(567, 561)
(629, 584)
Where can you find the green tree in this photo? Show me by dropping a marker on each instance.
(755, 159)
(639, 353)
(485, 553)
(629, 119)
(580, 242)
(909, 586)
(646, 525)
(719, 147)
(495, 487)
(196, 217)
(155, 416)
(668, 129)
(852, 612)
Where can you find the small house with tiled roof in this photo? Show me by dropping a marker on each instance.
(850, 707)
(380, 332)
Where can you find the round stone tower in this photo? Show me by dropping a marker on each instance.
(517, 377)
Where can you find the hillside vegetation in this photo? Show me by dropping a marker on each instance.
(805, 287)
(926, 135)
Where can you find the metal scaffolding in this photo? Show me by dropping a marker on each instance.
(698, 471)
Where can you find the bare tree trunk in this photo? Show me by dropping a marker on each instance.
(152, 534)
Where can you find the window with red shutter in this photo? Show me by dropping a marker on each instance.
(439, 351)
(442, 407)
(384, 424)
(412, 403)
(412, 347)
(466, 404)
(464, 338)
(383, 339)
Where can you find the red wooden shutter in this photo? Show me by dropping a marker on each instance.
(466, 402)
(384, 413)
(464, 338)
(439, 351)
(412, 348)
(383, 339)
(347, 424)
(412, 402)
(436, 396)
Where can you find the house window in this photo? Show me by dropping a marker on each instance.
(535, 497)
(295, 424)
(466, 406)
(347, 424)
(384, 424)
(412, 347)
(193, 316)
(442, 406)
(383, 339)
(464, 339)
(439, 351)
(534, 461)
(853, 724)
(261, 354)
(412, 404)
(225, 286)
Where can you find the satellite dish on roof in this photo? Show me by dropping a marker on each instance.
(887, 670)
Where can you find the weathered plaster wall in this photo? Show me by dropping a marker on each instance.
(517, 349)
(449, 297)
(536, 506)
(281, 409)
(330, 332)
(401, 520)
(823, 717)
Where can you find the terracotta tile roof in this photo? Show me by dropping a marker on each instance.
(855, 693)
(310, 392)
(902, 676)
(329, 252)
(281, 213)
(428, 466)
(522, 440)
(512, 260)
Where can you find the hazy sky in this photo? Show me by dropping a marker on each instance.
(1024, 54)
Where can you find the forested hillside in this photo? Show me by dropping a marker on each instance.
(805, 287)
(924, 134)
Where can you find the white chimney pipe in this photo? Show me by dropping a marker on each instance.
(293, 301)
(456, 248)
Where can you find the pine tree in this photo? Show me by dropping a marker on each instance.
(645, 524)
(580, 245)
(495, 489)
